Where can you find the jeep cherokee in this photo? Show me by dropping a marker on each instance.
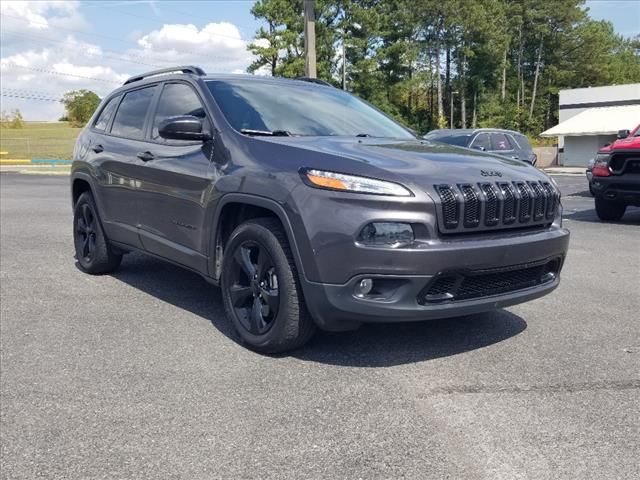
(307, 206)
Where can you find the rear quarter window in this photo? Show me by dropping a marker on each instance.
(105, 115)
(523, 142)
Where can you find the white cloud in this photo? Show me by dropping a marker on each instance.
(41, 54)
(41, 16)
(217, 47)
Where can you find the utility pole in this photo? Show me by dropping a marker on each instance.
(344, 64)
(310, 38)
(451, 116)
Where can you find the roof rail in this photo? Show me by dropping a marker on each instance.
(314, 80)
(184, 69)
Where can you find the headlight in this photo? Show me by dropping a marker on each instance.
(352, 183)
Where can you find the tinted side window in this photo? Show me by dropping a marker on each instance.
(129, 120)
(524, 144)
(107, 112)
(482, 141)
(176, 99)
(499, 141)
(457, 140)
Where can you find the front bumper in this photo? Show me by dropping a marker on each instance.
(618, 188)
(401, 297)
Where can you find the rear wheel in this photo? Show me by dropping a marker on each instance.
(261, 291)
(609, 210)
(93, 252)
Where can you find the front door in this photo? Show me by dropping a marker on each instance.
(176, 184)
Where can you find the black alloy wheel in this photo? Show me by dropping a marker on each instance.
(94, 253)
(86, 233)
(254, 292)
(261, 291)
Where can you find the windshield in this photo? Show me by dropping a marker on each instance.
(305, 109)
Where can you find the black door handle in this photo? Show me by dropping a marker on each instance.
(146, 156)
(97, 148)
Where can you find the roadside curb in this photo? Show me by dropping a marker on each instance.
(564, 171)
(36, 169)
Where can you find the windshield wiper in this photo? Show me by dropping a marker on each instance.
(363, 135)
(268, 133)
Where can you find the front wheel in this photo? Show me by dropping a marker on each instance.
(260, 288)
(609, 210)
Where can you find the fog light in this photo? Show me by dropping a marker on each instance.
(386, 234)
(364, 287)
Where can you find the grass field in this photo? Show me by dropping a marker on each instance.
(39, 140)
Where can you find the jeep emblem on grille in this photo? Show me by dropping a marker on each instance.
(490, 173)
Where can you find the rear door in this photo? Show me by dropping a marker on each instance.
(176, 184)
(115, 152)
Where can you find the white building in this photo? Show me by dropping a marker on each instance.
(591, 117)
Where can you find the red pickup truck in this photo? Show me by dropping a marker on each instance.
(616, 176)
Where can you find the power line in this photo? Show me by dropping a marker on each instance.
(27, 97)
(51, 72)
(44, 41)
(134, 58)
(36, 93)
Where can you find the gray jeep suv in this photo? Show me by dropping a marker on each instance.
(307, 206)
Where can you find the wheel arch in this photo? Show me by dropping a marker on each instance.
(83, 182)
(234, 209)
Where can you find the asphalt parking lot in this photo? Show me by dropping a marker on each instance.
(138, 375)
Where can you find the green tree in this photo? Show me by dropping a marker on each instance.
(11, 120)
(499, 63)
(80, 105)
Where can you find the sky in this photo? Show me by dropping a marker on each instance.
(50, 47)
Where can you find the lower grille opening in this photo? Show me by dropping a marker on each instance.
(453, 286)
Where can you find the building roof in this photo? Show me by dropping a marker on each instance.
(598, 121)
(592, 96)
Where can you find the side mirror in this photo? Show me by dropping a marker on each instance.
(183, 127)
(480, 147)
(623, 134)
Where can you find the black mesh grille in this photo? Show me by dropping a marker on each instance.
(539, 201)
(509, 209)
(518, 204)
(633, 166)
(471, 206)
(525, 202)
(491, 213)
(483, 283)
(449, 205)
(552, 201)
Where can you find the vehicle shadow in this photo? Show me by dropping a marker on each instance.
(631, 216)
(582, 193)
(373, 345)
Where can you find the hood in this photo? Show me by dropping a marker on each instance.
(418, 162)
(629, 143)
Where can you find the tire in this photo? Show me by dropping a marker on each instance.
(261, 291)
(609, 210)
(93, 252)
